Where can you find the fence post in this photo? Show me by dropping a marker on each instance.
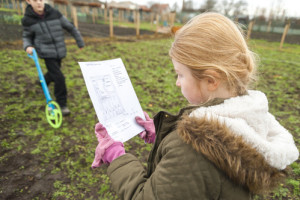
(13, 4)
(119, 15)
(23, 7)
(105, 14)
(93, 15)
(157, 22)
(269, 26)
(111, 28)
(172, 20)
(286, 29)
(74, 14)
(151, 18)
(137, 23)
(65, 10)
(18, 7)
(250, 29)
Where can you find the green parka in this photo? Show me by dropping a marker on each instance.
(193, 159)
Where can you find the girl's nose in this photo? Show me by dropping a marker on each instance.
(177, 83)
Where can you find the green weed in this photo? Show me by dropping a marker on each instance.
(69, 150)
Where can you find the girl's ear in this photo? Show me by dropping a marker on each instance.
(213, 80)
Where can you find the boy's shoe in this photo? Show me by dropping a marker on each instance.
(65, 111)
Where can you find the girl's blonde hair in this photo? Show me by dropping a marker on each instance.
(211, 41)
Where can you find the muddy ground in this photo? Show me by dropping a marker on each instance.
(12, 32)
(9, 32)
(41, 184)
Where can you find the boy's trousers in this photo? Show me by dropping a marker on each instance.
(55, 75)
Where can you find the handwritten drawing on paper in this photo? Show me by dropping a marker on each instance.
(110, 103)
(113, 97)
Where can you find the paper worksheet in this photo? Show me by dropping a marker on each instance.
(113, 97)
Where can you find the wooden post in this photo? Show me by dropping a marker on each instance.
(19, 7)
(93, 16)
(172, 19)
(23, 7)
(157, 22)
(119, 16)
(137, 23)
(122, 15)
(111, 28)
(134, 17)
(13, 4)
(151, 18)
(286, 29)
(95, 13)
(74, 14)
(269, 26)
(105, 14)
(125, 15)
(65, 10)
(249, 29)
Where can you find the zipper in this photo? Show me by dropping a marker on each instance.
(42, 27)
(52, 38)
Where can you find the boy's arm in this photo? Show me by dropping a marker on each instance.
(72, 30)
(27, 37)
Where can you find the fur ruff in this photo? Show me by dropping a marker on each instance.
(248, 116)
(237, 159)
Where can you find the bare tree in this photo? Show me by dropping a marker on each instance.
(187, 5)
(239, 8)
(209, 5)
(279, 11)
(175, 7)
(150, 3)
(226, 7)
(261, 15)
(233, 8)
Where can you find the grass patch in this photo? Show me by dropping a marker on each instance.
(63, 156)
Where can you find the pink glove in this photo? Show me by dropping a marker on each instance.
(107, 149)
(149, 134)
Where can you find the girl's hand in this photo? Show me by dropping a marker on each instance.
(149, 134)
(107, 149)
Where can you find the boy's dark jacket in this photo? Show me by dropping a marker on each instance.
(46, 34)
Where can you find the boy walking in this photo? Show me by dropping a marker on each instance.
(43, 30)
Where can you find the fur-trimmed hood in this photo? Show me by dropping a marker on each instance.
(242, 139)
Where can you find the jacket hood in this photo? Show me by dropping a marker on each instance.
(30, 17)
(242, 139)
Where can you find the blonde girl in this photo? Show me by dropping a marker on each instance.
(225, 146)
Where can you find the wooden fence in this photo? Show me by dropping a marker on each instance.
(100, 13)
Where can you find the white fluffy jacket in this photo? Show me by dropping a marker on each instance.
(248, 116)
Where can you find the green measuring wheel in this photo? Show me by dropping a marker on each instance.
(53, 114)
(53, 111)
